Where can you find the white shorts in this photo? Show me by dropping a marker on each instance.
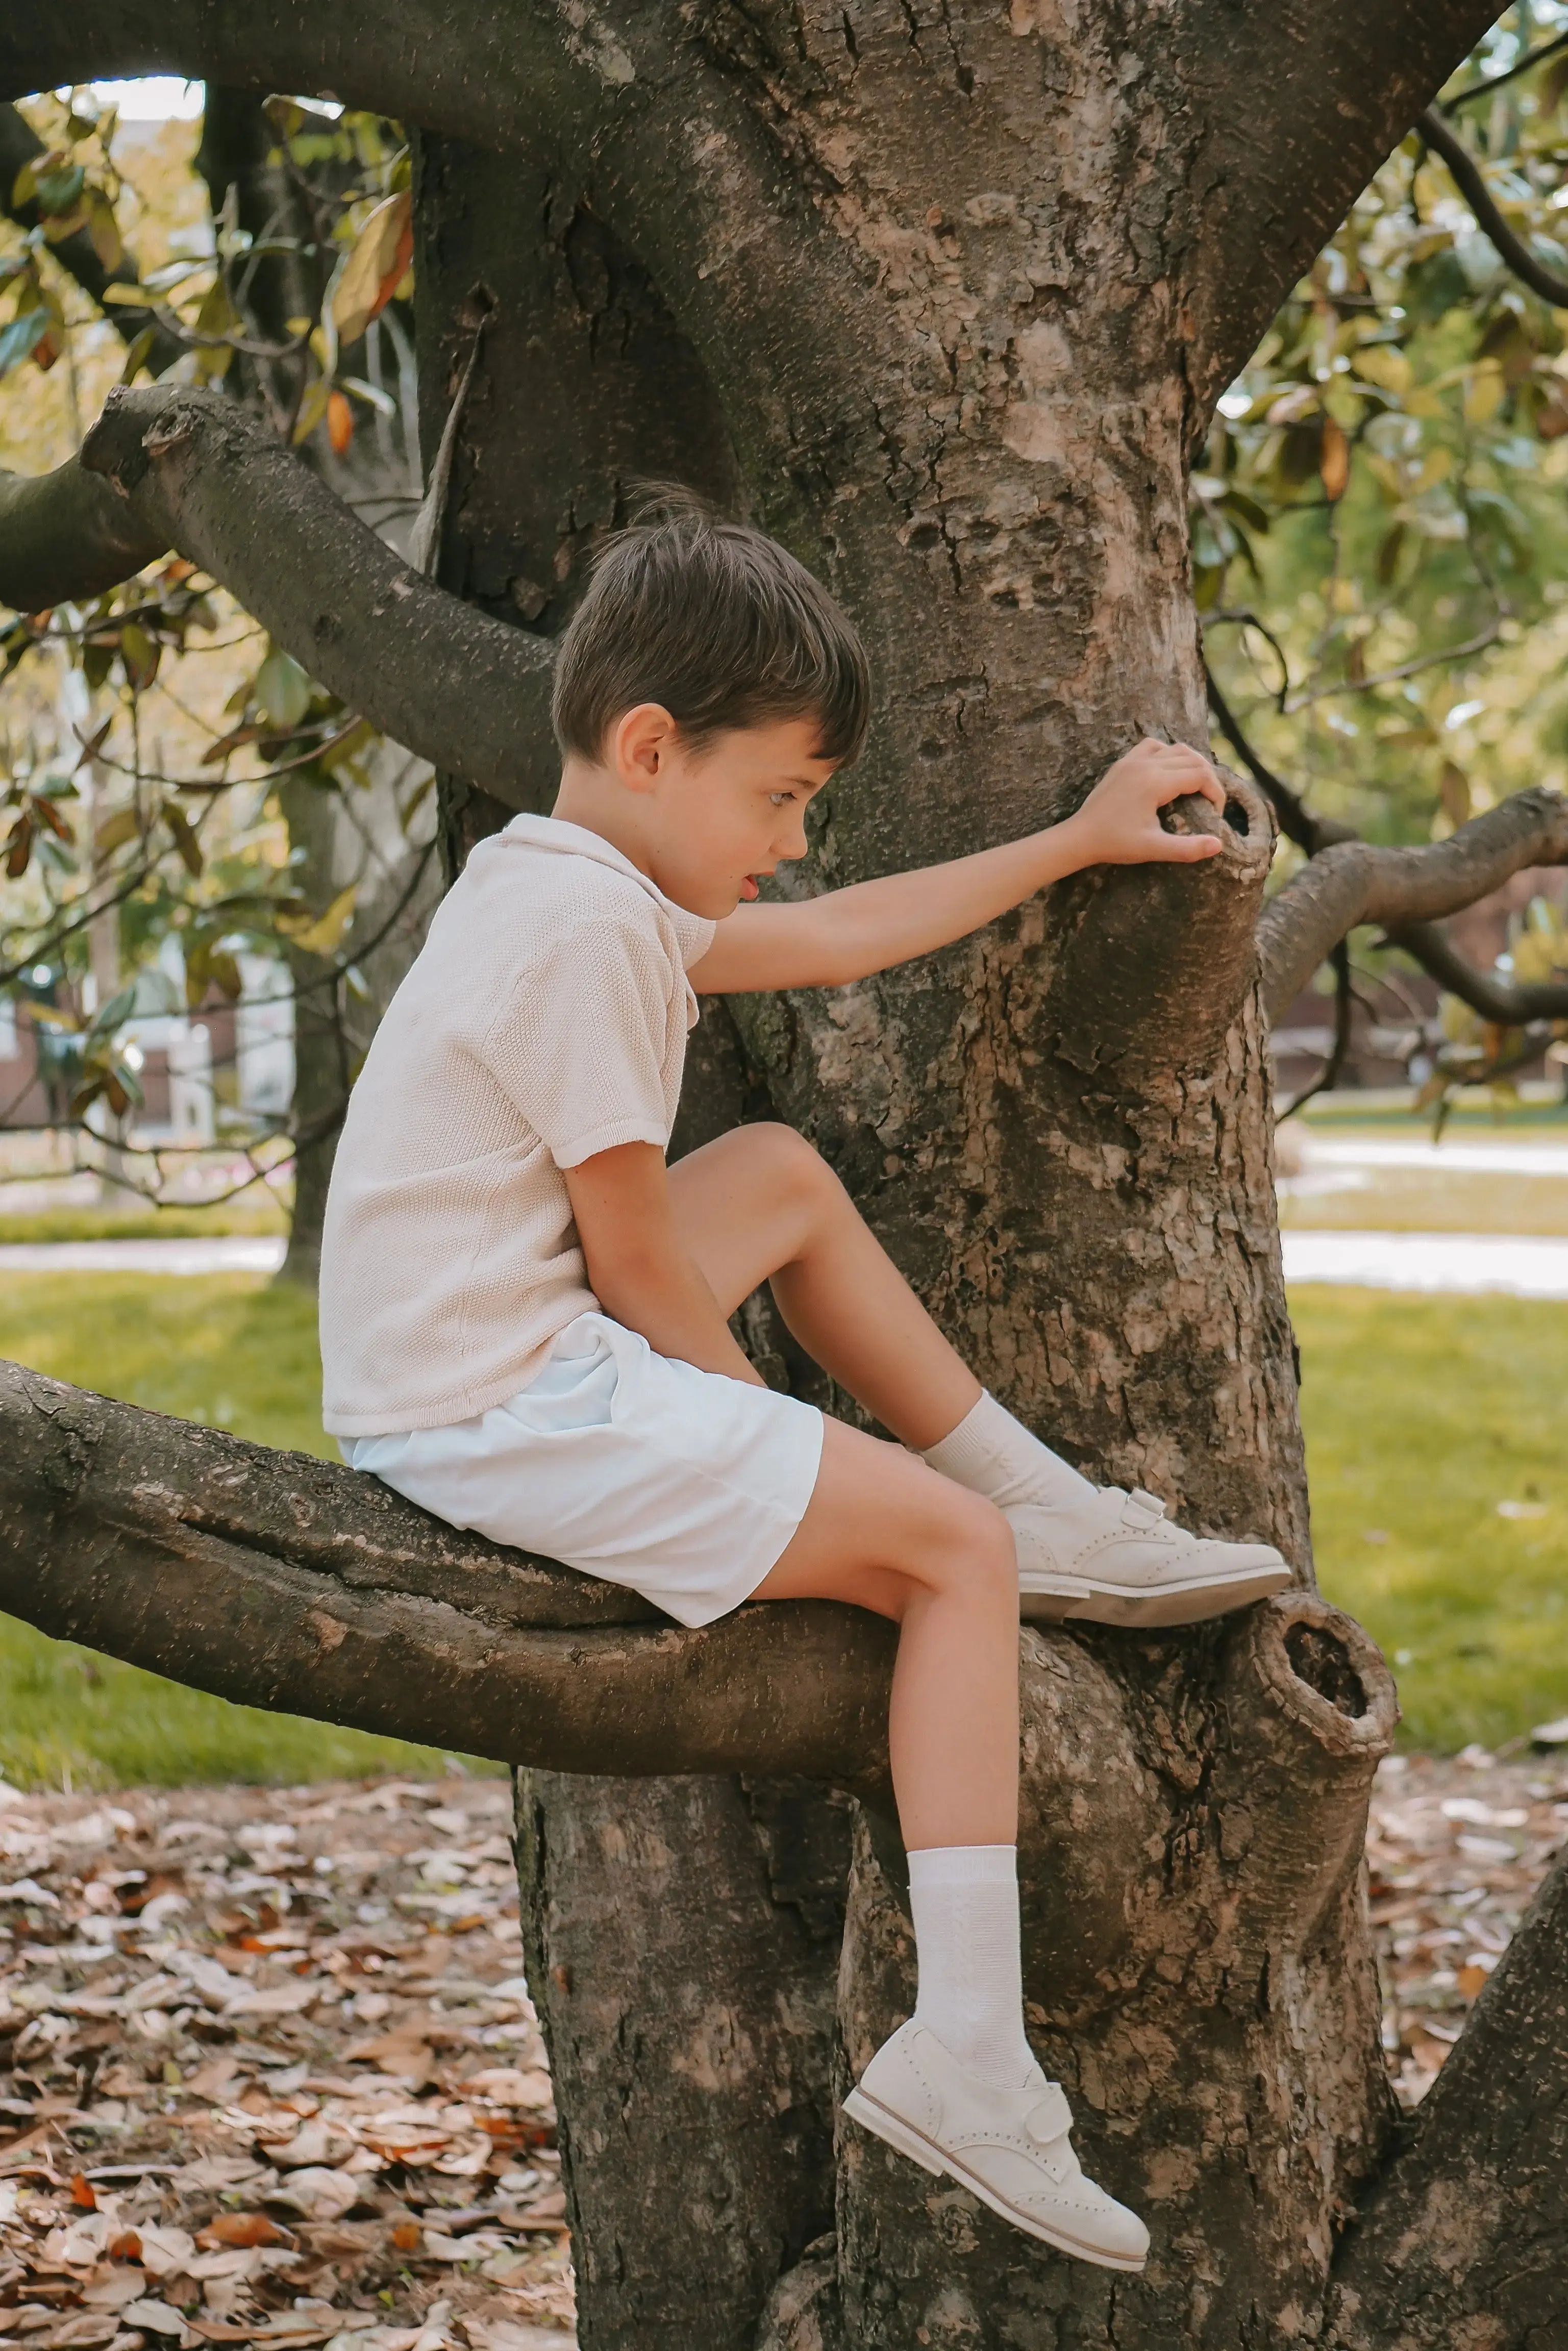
(685, 1485)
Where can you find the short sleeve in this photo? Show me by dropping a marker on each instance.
(581, 1048)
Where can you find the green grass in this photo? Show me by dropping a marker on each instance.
(1433, 1200)
(1422, 1415)
(229, 1350)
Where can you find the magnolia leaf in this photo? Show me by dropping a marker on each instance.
(185, 841)
(1484, 391)
(1334, 465)
(1382, 364)
(377, 260)
(340, 423)
(312, 409)
(103, 228)
(116, 829)
(322, 935)
(372, 394)
(281, 690)
(18, 847)
(138, 351)
(1454, 792)
(217, 316)
(140, 654)
(127, 297)
(22, 338)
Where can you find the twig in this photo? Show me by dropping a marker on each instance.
(1328, 1077)
(1468, 179)
(1525, 64)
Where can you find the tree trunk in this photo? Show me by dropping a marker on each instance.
(682, 1937)
(955, 398)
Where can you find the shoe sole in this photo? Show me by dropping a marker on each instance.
(1171, 1604)
(883, 2123)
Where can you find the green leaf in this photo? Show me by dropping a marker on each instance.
(140, 654)
(21, 337)
(137, 353)
(281, 689)
(57, 191)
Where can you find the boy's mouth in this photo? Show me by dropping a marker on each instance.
(748, 887)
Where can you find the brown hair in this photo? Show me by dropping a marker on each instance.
(717, 622)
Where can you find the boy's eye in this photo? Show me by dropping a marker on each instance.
(780, 799)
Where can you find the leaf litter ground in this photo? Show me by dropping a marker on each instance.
(273, 2078)
(272, 2075)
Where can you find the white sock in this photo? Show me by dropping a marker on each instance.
(965, 1903)
(995, 1455)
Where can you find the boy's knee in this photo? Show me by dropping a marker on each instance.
(796, 1166)
(975, 1540)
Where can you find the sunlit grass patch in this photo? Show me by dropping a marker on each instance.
(1423, 1415)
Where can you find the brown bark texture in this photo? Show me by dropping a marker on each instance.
(941, 295)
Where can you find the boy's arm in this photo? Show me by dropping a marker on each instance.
(637, 1267)
(847, 934)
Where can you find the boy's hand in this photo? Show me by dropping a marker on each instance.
(1119, 823)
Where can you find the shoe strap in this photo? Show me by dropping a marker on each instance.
(1146, 1507)
(1051, 2117)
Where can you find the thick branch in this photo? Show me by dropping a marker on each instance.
(1506, 1001)
(1468, 179)
(171, 467)
(278, 1581)
(1356, 882)
(1295, 106)
(1466, 2239)
(76, 254)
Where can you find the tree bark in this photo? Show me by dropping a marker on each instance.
(682, 1938)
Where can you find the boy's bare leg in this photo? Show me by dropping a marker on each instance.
(760, 1204)
(885, 1532)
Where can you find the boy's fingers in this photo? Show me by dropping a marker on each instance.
(1192, 848)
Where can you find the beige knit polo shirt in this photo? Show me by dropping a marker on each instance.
(545, 1019)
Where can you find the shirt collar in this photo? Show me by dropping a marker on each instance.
(554, 833)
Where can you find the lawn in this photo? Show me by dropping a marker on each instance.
(229, 1349)
(1422, 1415)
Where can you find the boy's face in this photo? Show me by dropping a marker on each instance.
(714, 820)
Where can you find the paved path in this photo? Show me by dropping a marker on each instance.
(1461, 1262)
(221, 1253)
(1468, 1263)
(1458, 1157)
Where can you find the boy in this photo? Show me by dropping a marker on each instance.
(524, 1311)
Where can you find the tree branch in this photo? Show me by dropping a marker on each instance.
(1467, 177)
(1354, 882)
(1506, 1001)
(1293, 108)
(1526, 64)
(171, 466)
(1296, 822)
(76, 254)
(278, 1581)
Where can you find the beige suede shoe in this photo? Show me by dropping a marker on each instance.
(1118, 1560)
(1008, 2147)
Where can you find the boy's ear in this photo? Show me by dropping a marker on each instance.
(640, 742)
